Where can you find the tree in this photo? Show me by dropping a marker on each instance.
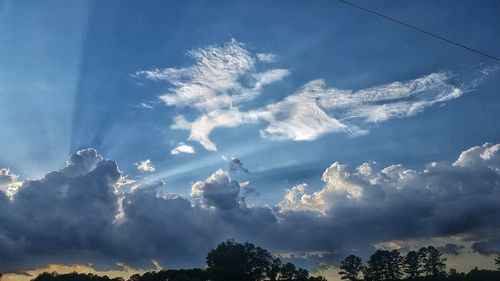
(274, 270)
(288, 272)
(497, 261)
(74, 276)
(351, 267)
(231, 261)
(384, 266)
(412, 265)
(454, 275)
(395, 271)
(433, 262)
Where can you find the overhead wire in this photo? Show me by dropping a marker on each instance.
(419, 29)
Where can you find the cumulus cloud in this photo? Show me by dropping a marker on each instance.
(218, 190)
(145, 166)
(70, 215)
(182, 148)
(440, 200)
(66, 212)
(480, 156)
(225, 79)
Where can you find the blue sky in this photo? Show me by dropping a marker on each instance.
(74, 75)
(72, 87)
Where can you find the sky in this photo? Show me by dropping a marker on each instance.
(171, 126)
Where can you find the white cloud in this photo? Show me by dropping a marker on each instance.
(266, 57)
(486, 154)
(145, 105)
(213, 82)
(476, 171)
(182, 148)
(213, 86)
(218, 190)
(145, 166)
(225, 78)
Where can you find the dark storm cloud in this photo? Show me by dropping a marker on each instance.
(66, 213)
(488, 247)
(236, 167)
(451, 249)
(77, 215)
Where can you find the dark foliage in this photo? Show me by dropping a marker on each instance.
(384, 265)
(426, 264)
(172, 275)
(351, 268)
(229, 261)
(497, 261)
(245, 262)
(73, 277)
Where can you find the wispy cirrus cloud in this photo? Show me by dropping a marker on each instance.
(214, 81)
(266, 57)
(214, 86)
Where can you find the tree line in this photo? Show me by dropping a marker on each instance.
(233, 261)
(426, 264)
(229, 261)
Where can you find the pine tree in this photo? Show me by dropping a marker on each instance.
(351, 268)
(412, 264)
(433, 261)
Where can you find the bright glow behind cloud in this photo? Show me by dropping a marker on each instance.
(145, 166)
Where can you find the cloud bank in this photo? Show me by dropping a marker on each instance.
(226, 79)
(78, 214)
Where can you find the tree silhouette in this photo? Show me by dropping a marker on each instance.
(231, 261)
(274, 270)
(454, 275)
(289, 272)
(234, 261)
(433, 261)
(194, 274)
(74, 276)
(412, 265)
(384, 266)
(497, 261)
(351, 266)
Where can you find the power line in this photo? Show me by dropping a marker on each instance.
(419, 29)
